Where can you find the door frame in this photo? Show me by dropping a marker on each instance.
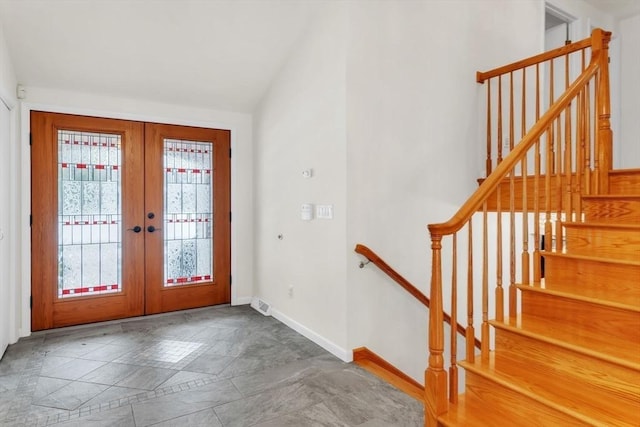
(238, 124)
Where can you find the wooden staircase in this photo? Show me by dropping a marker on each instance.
(572, 355)
(561, 346)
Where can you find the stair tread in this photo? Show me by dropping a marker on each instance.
(614, 350)
(590, 258)
(592, 300)
(587, 404)
(471, 412)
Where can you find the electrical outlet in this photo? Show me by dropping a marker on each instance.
(506, 143)
(290, 291)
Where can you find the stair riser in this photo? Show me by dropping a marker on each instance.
(616, 243)
(590, 381)
(601, 322)
(514, 405)
(625, 182)
(622, 210)
(608, 281)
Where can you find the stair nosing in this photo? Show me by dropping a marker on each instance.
(569, 346)
(499, 378)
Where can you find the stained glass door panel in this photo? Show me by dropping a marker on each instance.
(86, 202)
(188, 212)
(89, 214)
(187, 198)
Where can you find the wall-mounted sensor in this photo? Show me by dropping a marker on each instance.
(307, 173)
(306, 212)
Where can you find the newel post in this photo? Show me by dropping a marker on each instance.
(435, 375)
(604, 137)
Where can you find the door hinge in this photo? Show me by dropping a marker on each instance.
(230, 279)
(30, 220)
(229, 152)
(31, 301)
(230, 217)
(30, 138)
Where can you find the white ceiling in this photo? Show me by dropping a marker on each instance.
(219, 54)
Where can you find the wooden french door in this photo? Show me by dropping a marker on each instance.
(128, 218)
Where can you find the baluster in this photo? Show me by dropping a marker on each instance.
(596, 139)
(558, 186)
(499, 289)
(499, 120)
(470, 336)
(579, 154)
(587, 151)
(489, 160)
(453, 370)
(511, 115)
(512, 247)
(536, 192)
(548, 236)
(552, 141)
(523, 172)
(512, 209)
(484, 332)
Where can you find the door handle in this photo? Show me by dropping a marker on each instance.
(135, 229)
(151, 229)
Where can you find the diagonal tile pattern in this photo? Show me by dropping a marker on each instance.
(219, 366)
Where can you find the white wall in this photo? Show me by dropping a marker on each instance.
(104, 106)
(629, 134)
(9, 273)
(300, 125)
(415, 147)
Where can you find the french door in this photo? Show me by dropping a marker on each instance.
(128, 218)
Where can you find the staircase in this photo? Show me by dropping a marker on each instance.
(572, 355)
(561, 345)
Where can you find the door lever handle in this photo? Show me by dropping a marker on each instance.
(151, 229)
(135, 229)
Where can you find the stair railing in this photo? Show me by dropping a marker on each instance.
(539, 181)
(373, 257)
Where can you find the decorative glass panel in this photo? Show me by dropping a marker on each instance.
(188, 212)
(89, 215)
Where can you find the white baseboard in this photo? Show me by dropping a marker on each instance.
(339, 352)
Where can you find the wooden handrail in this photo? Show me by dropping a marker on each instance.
(489, 185)
(482, 76)
(404, 283)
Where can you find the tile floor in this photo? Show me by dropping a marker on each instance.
(218, 366)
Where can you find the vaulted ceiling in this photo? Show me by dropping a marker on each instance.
(219, 54)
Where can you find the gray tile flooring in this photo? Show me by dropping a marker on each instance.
(218, 366)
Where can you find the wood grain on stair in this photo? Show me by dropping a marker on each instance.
(542, 388)
(622, 352)
(563, 364)
(607, 279)
(624, 181)
(620, 209)
(617, 241)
